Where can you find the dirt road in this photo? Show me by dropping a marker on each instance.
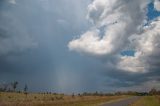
(124, 102)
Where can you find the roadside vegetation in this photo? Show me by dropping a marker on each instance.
(148, 101)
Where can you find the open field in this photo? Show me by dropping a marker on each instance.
(148, 101)
(33, 99)
(20, 99)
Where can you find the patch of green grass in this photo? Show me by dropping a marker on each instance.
(147, 101)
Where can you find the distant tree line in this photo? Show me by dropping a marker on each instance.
(153, 91)
(12, 87)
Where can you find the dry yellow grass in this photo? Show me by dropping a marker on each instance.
(148, 101)
(20, 99)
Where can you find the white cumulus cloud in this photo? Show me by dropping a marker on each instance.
(157, 5)
(147, 46)
(132, 64)
(118, 19)
(118, 24)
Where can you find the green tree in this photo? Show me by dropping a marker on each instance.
(153, 91)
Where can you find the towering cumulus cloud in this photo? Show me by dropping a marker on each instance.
(114, 21)
(117, 26)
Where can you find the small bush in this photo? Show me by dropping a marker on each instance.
(52, 98)
(35, 97)
(9, 97)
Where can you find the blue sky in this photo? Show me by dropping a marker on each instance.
(152, 12)
(47, 44)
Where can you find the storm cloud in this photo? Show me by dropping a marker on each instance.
(117, 44)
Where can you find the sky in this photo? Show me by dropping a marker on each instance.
(80, 45)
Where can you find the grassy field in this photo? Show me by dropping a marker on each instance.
(148, 101)
(20, 99)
